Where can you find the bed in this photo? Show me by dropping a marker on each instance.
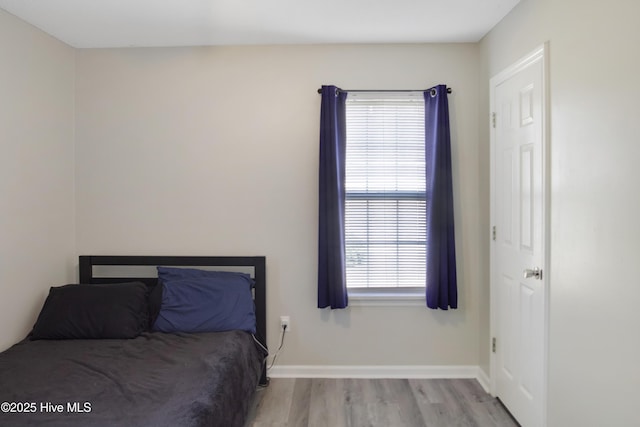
(154, 378)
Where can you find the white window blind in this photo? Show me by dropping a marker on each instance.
(385, 232)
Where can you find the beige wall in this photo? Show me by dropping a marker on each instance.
(214, 151)
(594, 294)
(36, 172)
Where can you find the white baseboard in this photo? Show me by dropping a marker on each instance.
(484, 380)
(380, 371)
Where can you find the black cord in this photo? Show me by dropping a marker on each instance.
(275, 356)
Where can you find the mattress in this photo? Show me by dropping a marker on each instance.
(156, 379)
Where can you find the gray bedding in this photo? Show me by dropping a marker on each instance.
(156, 379)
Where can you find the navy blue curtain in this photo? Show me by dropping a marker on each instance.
(442, 289)
(332, 283)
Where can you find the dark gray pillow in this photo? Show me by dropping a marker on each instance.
(155, 302)
(117, 310)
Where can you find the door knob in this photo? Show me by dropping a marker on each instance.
(536, 273)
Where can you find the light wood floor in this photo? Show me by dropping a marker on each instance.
(289, 402)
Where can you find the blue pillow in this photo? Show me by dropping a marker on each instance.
(173, 273)
(205, 301)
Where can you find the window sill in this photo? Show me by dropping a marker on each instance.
(384, 299)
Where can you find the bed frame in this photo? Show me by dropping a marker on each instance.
(256, 263)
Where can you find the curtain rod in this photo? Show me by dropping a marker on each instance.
(386, 90)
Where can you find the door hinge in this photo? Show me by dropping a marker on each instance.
(493, 233)
(493, 344)
(493, 120)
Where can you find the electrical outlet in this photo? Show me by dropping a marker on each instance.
(284, 321)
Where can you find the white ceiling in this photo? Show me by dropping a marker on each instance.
(125, 23)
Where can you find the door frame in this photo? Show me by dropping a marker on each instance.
(541, 53)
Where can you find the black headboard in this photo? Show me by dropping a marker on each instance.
(257, 263)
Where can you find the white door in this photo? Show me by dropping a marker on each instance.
(519, 215)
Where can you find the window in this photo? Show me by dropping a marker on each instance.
(385, 231)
